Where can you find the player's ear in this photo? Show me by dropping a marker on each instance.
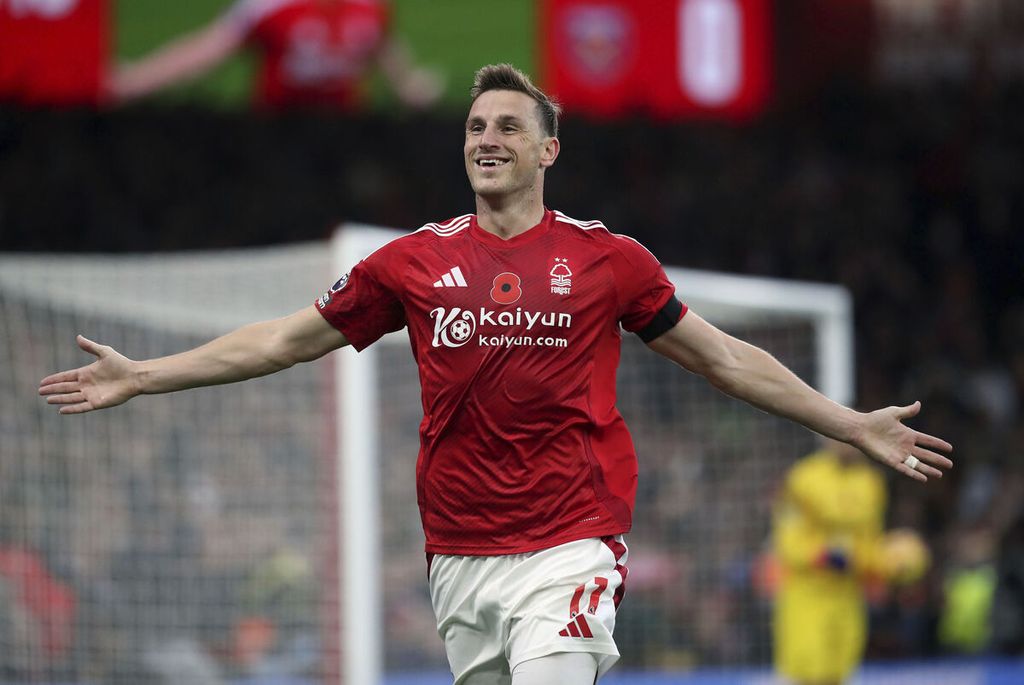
(550, 152)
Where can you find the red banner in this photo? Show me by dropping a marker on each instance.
(670, 58)
(52, 52)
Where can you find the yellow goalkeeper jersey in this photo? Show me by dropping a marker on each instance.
(820, 623)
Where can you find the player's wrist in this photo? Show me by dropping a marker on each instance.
(851, 428)
(140, 378)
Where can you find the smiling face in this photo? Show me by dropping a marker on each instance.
(506, 150)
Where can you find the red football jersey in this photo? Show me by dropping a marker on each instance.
(517, 343)
(314, 52)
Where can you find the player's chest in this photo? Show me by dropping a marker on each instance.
(484, 296)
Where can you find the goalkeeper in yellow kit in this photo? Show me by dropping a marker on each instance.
(828, 541)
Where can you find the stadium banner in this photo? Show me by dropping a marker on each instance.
(670, 58)
(53, 52)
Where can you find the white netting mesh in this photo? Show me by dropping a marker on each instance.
(182, 536)
(194, 537)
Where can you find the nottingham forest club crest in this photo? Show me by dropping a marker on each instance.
(561, 276)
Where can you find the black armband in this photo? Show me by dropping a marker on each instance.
(663, 321)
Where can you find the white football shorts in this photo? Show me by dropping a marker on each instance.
(496, 612)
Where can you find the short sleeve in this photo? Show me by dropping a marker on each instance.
(361, 305)
(644, 290)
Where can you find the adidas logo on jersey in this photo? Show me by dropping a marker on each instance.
(452, 279)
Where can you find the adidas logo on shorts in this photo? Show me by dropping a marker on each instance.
(577, 627)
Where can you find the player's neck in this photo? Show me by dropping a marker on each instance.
(509, 217)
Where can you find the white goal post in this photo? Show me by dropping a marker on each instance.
(247, 472)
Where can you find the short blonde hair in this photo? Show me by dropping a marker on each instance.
(507, 77)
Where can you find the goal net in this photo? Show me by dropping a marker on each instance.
(269, 530)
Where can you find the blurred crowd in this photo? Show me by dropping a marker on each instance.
(913, 200)
(184, 540)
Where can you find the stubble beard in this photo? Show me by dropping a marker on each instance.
(502, 188)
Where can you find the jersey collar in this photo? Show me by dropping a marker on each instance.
(527, 236)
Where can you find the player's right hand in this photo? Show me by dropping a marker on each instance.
(107, 382)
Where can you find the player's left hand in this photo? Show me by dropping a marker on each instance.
(886, 439)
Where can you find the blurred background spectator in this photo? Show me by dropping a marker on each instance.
(37, 612)
(827, 533)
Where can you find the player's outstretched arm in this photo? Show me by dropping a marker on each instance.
(751, 374)
(254, 350)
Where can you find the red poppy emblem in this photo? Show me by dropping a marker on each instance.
(507, 288)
